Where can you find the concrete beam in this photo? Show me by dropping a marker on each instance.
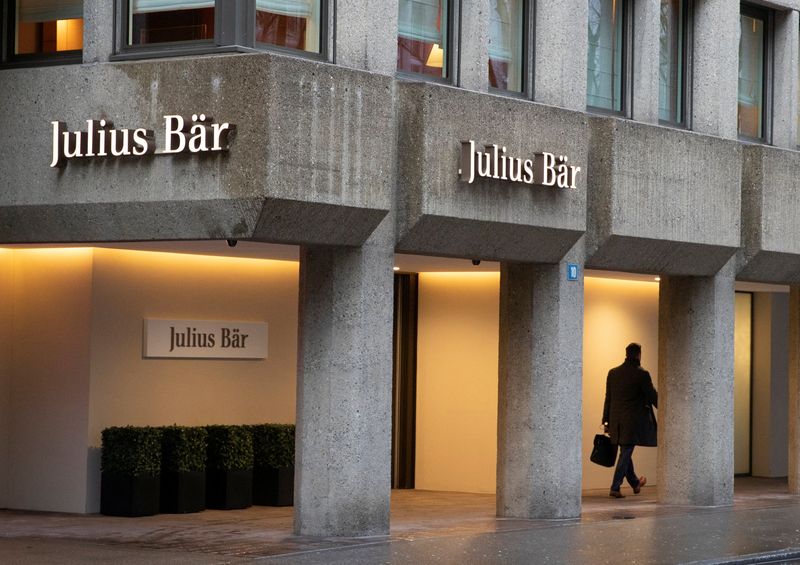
(646, 51)
(98, 31)
(784, 84)
(474, 45)
(561, 50)
(366, 35)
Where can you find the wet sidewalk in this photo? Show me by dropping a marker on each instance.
(429, 527)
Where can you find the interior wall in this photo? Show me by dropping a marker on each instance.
(742, 382)
(457, 358)
(49, 394)
(6, 324)
(616, 313)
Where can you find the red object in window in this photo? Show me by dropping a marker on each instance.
(285, 31)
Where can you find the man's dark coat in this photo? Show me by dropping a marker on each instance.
(629, 395)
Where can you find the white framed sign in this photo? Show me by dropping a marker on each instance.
(204, 339)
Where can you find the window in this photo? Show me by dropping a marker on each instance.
(292, 24)
(506, 45)
(605, 78)
(672, 62)
(422, 37)
(40, 30)
(753, 51)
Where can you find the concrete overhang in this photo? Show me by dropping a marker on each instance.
(770, 215)
(313, 161)
(439, 214)
(661, 200)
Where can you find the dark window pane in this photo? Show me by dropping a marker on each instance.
(48, 27)
(604, 77)
(751, 77)
(289, 23)
(506, 28)
(670, 75)
(422, 37)
(163, 21)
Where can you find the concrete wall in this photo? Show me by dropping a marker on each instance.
(770, 384)
(672, 205)
(49, 416)
(457, 381)
(312, 161)
(6, 349)
(770, 215)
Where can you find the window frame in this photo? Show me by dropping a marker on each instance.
(234, 31)
(767, 16)
(9, 59)
(686, 70)
(626, 88)
(528, 28)
(452, 56)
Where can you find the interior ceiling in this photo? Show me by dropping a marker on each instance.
(406, 263)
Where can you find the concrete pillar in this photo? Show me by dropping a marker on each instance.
(365, 35)
(540, 389)
(344, 385)
(561, 48)
(784, 99)
(474, 45)
(646, 53)
(715, 68)
(98, 30)
(770, 384)
(794, 389)
(695, 404)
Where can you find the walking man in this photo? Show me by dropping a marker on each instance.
(628, 416)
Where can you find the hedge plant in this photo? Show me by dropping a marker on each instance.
(131, 451)
(273, 445)
(230, 448)
(183, 449)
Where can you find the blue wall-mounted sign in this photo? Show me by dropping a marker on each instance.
(572, 272)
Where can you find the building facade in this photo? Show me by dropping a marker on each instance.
(663, 141)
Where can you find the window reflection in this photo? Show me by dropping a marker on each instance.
(161, 21)
(751, 77)
(289, 23)
(422, 37)
(506, 28)
(604, 77)
(670, 74)
(45, 26)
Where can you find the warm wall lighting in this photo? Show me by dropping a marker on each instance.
(436, 57)
(395, 268)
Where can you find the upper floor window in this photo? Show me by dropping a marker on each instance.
(672, 62)
(293, 24)
(44, 29)
(506, 44)
(605, 72)
(753, 53)
(422, 37)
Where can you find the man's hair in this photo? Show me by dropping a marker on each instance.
(633, 350)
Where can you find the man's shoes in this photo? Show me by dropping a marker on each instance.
(638, 488)
(615, 494)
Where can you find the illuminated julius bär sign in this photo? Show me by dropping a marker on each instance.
(198, 134)
(542, 169)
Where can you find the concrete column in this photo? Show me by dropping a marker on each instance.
(344, 385)
(695, 408)
(794, 389)
(770, 383)
(98, 30)
(784, 99)
(715, 66)
(561, 48)
(646, 54)
(365, 35)
(540, 389)
(474, 45)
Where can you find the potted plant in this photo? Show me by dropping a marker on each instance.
(229, 468)
(273, 465)
(130, 464)
(183, 469)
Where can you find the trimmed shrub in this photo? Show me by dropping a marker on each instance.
(273, 445)
(230, 448)
(131, 451)
(183, 449)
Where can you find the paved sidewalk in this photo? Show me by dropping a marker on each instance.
(428, 527)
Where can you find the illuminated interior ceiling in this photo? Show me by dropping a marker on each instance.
(405, 263)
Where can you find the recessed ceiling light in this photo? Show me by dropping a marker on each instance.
(658, 279)
(396, 268)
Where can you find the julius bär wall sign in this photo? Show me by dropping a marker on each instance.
(542, 169)
(204, 339)
(196, 134)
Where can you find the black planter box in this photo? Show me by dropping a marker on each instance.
(229, 490)
(273, 487)
(129, 496)
(183, 492)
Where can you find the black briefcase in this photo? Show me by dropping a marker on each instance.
(604, 452)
